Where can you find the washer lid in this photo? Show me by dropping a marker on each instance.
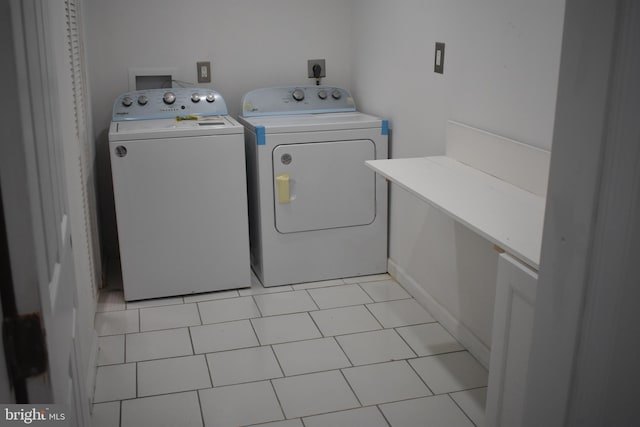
(172, 128)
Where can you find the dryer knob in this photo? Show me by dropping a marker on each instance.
(322, 94)
(142, 100)
(195, 97)
(211, 97)
(298, 95)
(336, 94)
(127, 101)
(169, 98)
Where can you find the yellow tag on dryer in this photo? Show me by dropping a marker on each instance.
(282, 183)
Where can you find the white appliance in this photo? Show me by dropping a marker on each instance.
(179, 182)
(316, 212)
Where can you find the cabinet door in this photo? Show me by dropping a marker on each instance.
(511, 342)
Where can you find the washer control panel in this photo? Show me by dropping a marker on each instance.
(297, 100)
(168, 103)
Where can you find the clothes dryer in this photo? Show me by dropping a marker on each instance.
(316, 212)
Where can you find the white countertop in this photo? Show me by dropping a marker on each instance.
(502, 213)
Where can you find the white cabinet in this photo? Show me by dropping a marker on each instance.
(511, 342)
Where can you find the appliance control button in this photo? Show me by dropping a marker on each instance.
(211, 97)
(298, 95)
(127, 101)
(336, 94)
(143, 100)
(322, 94)
(195, 97)
(169, 98)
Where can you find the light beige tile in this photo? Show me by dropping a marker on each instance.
(345, 320)
(285, 328)
(223, 336)
(158, 344)
(156, 302)
(364, 279)
(240, 405)
(169, 410)
(228, 310)
(361, 417)
(242, 366)
(392, 314)
(168, 317)
(339, 296)
(429, 339)
(117, 322)
(374, 347)
(314, 394)
(106, 415)
(321, 284)
(110, 350)
(386, 290)
(385, 382)
(115, 382)
(434, 411)
(304, 357)
(210, 296)
(285, 303)
(445, 373)
(172, 375)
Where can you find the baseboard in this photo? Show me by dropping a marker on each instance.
(441, 314)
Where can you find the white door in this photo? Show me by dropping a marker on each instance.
(323, 185)
(39, 172)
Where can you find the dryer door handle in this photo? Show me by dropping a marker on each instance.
(282, 182)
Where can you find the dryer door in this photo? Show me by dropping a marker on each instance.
(323, 185)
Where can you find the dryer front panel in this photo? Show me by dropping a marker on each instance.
(323, 185)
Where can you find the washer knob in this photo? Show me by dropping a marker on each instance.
(336, 94)
(322, 94)
(169, 98)
(298, 95)
(142, 100)
(211, 97)
(195, 97)
(127, 101)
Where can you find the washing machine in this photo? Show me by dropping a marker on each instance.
(179, 183)
(316, 212)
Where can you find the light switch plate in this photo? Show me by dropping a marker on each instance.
(438, 61)
(204, 72)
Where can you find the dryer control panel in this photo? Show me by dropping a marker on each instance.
(168, 103)
(274, 101)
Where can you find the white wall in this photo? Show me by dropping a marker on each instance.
(250, 44)
(500, 74)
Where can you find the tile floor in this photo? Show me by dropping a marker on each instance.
(358, 352)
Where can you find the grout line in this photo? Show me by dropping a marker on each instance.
(255, 302)
(419, 376)
(284, 416)
(460, 407)
(343, 351)
(350, 387)
(209, 369)
(200, 405)
(277, 361)
(406, 342)
(383, 415)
